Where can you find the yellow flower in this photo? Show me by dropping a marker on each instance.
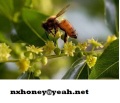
(69, 48)
(23, 64)
(58, 35)
(110, 39)
(82, 46)
(4, 52)
(55, 36)
(95, 43)
(91, 60)
(34, 49)
(49, 47)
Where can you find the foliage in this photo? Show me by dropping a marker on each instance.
(25, 44)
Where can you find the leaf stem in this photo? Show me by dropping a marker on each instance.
(35, 31)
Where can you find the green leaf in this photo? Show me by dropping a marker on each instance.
(75, 70)
(5, 25)
(34, 21)
(19, 4)
(14, 37)
(84, 73)
(24, 76)
(26, 35)
(3, 38)
(7, 8)
(107, 65)
(111, 14)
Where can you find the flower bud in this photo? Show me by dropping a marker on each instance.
(44, 60)
(57, 51)
(28, 55)
(37, 72)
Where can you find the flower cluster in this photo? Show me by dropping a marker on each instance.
(94, 45)
(69, 49)
(51, 49)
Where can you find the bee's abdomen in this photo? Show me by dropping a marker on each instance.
(68, 28)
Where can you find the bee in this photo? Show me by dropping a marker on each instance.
(53, 24)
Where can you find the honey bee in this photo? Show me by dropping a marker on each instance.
(53, 24)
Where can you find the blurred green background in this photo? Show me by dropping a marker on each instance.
(90, 18)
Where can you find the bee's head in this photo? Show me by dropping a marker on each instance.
(44, 25)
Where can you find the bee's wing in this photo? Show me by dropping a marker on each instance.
(62, 11)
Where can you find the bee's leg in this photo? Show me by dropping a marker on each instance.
(56, 26)
(65, 38)
(55, 30)
(48, 32)
(51, 32)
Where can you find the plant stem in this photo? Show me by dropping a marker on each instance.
(55, 56)
(10, 61)
(95, 52)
